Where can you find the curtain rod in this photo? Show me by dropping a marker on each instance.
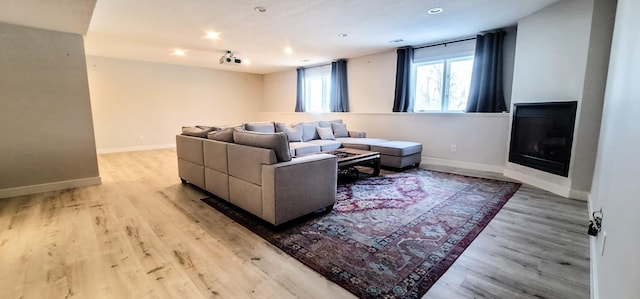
(446, 43)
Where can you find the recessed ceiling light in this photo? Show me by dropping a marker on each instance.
(305, 60)
(260, 9)
(435, 10)
(212, 35)
(246, 61)
(179, 52)
(395, 41)
(343, 34)
(288, 50)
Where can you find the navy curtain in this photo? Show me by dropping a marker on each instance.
(300, 91)
(403, 100)
(339, 98)
(486, 93)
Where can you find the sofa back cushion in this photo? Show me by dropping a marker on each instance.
(327, 123)
(264, 127)
(293, 133)
(278, 142)
(309, 130)
(339, 130)
(189, 148)
(225, 135)
(245, 162)
(197, 131)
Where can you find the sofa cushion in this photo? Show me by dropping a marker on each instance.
(327, 145)
(325, 133)
(294, 133)
(309, 130)
(278, 142)
(397, 148)
(197, 131)
(225, 135)
(359, 143)
(327, 123)
(263, 127)
(339, 130)
(304, 148)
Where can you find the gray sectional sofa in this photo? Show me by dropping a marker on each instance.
(275, 171)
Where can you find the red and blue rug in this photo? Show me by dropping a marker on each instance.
(390, 236)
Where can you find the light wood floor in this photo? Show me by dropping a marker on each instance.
(142, 234)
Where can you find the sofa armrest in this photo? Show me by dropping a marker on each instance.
(357, 134)
(298, 187)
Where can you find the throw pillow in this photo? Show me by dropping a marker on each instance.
(294, 134)
(339, 130)
(325, 133)
(309, 130)
(278, 142)
(225, 135)
(196, 132)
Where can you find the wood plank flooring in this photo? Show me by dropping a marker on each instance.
(142, 234)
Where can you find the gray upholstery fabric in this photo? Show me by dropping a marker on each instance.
(191, 172)
(278, 142)
(309, 131)
(225, 135)
(327, 145)
(189, 148)
(196, 131)
(288, 192)
(339, 130)
(246, 196)
(217, 183)
(325, 133)
(293, 133)
(215, 155)
(327, 123)
(397, 148)
(357, 134)
(263, 127)
(400, 162)
(304, 148)
(359, 143)
(256, 181)
(245, 162)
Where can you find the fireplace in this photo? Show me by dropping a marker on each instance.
(542, 135)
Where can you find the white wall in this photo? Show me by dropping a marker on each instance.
(480, 138)
(45, 113)
(560, 58)
(142, 105)
(615, 183)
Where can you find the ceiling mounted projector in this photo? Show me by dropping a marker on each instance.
(229, 58)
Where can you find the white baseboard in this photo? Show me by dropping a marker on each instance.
(593, 252)
(579, 194)
(25, 190)
(135, 148)
(563, 191)
(462, 164)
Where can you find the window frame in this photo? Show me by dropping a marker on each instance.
(322, 73)
(446, 80)
(439, 52)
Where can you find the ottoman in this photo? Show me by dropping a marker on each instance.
(398, 154)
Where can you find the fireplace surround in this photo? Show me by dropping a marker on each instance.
(542, 136)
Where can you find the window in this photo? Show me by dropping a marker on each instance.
(317, 88)
(443, 85)
(441, 77)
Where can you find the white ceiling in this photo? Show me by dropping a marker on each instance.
(149, 30)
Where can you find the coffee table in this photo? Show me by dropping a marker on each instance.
(349, 157)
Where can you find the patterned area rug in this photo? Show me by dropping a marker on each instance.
(390, 236)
